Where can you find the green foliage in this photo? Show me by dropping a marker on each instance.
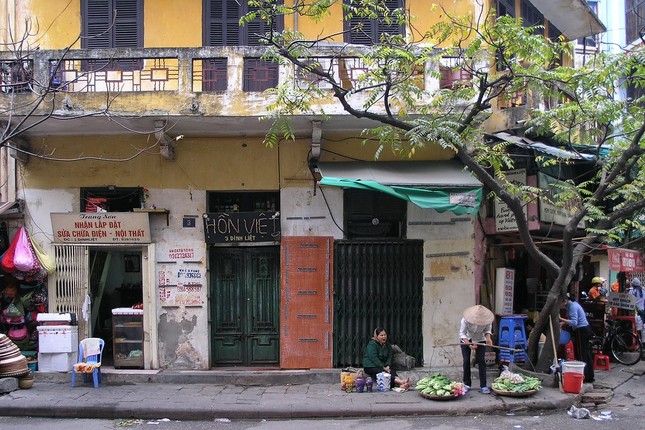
(498, 59)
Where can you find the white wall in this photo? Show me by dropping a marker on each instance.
(448, 279)
(304, 214)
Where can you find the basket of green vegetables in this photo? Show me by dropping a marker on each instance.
(515, 385)
(440, 387)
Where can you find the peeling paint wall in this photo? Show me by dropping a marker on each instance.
(448, 279)
(180, 341)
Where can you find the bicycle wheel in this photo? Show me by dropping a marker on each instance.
(626, 348)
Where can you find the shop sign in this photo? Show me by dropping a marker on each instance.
(504, 289)
(101, 227)
(625, 260)
(621, 300)
(241, 227)
(551, 212)
(504, 218)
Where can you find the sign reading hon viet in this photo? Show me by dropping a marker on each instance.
(101, 227)
(237, 227)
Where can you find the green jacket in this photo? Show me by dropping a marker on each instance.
(377, 355)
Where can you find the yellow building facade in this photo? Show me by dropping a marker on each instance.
(150, 184)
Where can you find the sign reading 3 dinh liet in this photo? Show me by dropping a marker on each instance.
(101, 227)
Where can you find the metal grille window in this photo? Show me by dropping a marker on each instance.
(15, 76)
(213, 74)
(634, 19)
(112, 24)
(259, 74)
(222, 24)
(361, 30)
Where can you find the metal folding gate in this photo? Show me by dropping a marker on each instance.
(377, 284)
(72, 283)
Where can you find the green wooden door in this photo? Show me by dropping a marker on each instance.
(245, 306)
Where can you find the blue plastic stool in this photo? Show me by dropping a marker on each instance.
(512, 334)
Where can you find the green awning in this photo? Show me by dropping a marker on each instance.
(439, 185)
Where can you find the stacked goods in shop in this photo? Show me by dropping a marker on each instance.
(12, 362)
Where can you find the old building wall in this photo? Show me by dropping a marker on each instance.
(448, 279)
(178, 185)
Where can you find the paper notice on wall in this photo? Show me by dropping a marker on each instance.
(181, 295)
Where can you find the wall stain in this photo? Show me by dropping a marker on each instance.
(177, 351)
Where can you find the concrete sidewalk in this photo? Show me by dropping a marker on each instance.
(251, 394)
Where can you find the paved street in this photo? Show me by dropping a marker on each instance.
(207, 401)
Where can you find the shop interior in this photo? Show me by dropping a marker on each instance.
(115, 282)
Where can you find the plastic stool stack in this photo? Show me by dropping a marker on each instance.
(600, 362)
(512, 334)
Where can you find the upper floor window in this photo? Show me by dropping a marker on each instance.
(505, 7)
(112, 24)
(590, 41)
(634, 19)
(532, 16)
(361, 30)
(222, 24)
(370, 214)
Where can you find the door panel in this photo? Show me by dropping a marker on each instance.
(389, 270)
(306, 302)
(262, 305)
(244, 306)
(226, 301)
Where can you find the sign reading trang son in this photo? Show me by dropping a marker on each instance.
(101, 227)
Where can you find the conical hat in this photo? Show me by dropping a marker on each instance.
(478, 315)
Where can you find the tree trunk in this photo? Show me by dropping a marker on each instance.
(547, 358)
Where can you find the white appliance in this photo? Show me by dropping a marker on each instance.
(57, 342)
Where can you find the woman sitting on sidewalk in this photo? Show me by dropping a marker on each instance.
(378, 358)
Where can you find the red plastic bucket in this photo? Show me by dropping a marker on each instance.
(573, 382)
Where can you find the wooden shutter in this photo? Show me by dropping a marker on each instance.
(128, 24)
(222, 24)
(371, 28)
(97, 17)
(112, 24)
(393, 27)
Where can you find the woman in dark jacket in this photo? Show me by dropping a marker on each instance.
(378, 358)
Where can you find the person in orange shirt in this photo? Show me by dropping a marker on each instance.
(615, 287)
(596, 286)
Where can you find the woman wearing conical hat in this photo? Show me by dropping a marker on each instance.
(475, 330)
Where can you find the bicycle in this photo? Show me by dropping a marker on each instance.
(623, 345)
